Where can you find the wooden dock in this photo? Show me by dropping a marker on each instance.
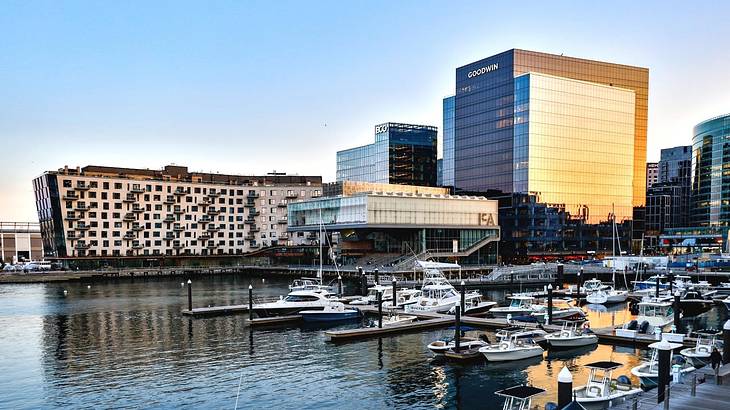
(368, 332)
(216, 310)
(709, 396)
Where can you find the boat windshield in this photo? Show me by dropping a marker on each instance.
(519, 302)
(655, 310)
(438, 293)
(300, 298)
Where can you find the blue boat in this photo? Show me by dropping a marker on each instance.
(333, 312)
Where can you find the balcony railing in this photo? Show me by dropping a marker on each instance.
(204, 237)
(178, 228)
(177, 245)
(129, 217)
(254, 246)
(130, 237)
(72, 217)
(283, 221)
(211, 244)
(170, 237)
(213, 194)
(137, 246)
(213, 211)
(137, 189)
(250, 237)
(169, 200)
(213, 228)
(254, 228)
(71, 196)
(206, 219)
(178, 211)
(283, 236)
(82, 227)
(249, 221)
(292, 195)
(137, 210)
(169, 218)
(130, 198)
(282, 204)
(180, 191)
(249, 204)
(137, 228)
(82, 245)
(82, 187)
(81, 207)
(252, 195)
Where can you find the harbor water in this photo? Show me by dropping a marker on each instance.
(125, 344)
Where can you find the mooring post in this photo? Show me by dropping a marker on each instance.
(565, 387)
(550, 304)
(578, 286)
(395, 293)
(657, 287)
(380, 309)
(377, 277)
(250, 302)
(339, 286)
(559, 276)
(363, 282)
(457, 329)
(671, 281)
(726, 342)
(693, 391)
(463, 297)
(511, 277)
(665, 353)
(190, 295)
(677, 318)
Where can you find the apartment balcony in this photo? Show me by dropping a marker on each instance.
(250, 237)
(130, 198)
(129, 236)
(283, 221)
(137, 245)
(250, 204)
(213, 211)
(254, 213)
(178, 228)
(252, 195)
(178, 211)
(169, 200)
(71, 196)
(205, 219)
(211, 245)
(169, 236)
(82, 245)
(177, 245)
(137, 210)
(72, 237)
(82, 227)
(72, 217)
(254, 228)
(204, 236)
(137, 189)
(249, 221)
(292, 195)
(213, 194)
(212, 228)
(81, 207)
(281, 204)
(137, 228)
(180, 191)
(169, 218)
(254, 246)
(82, 187)
(283, 236)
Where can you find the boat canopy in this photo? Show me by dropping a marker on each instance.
(603, 365)
(521, 392)
(437, 265)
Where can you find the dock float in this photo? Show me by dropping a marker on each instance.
(367, 332)
(216, 310)
(273, 321)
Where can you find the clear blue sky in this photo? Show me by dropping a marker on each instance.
(247, 87)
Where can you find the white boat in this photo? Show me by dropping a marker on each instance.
(394, 318)
(562, 310)
(700, 354)
(726, 302)
(608, 295)
(521, 332)
(519, 397)
(520, 305)
(372, 296)
(332, 312)
(657, 312)
(600, 391)
(570, 336)
(404, 297)
(437, 294)
(592, 285)
(649, 285)
(440, 347)
(648, 371)
(310, 284)
(511, 348)
(293, 303)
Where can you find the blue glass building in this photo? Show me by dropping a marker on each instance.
(710, 161)
(401, 154)
(447, 173)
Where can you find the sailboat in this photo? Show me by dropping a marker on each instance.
(610, 294)
(314, 284)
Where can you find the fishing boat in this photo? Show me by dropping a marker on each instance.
(601, 391)
(511, 348)
(293, 303)
(562, 310)
(520, 305)
(648, 371)
(519, 397)
(699, 355)
(440, 347)
(656, 312)
(437, 294)
(569, 336)
(332, 312)
(521, 332)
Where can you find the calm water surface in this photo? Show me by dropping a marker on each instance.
(125, 345)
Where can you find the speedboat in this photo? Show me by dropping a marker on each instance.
(562, 310)
(569, 336)
(293, 303)
(519, 397)
(511, 348)
(648, 371)
(404, 297)
(440, 347)
(372, 296)
(396, 319)
(700, 354)
(475, 306)
(608, 295)
(437, 294)
(521, 332)
(656, 312)
(600, 391)
(520, 305)
(332, 312)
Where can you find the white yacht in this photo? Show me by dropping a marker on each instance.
(569, 336)
(562, 310)
(657, 312)
(700, 354)
(608, 295)
(310, 284)
(293, 303)
(521, 332)
(592, 285)
(520, 305)
(511, 348)
(372, 296)
(600, 391)
(437, 294)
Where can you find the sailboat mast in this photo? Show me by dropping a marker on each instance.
(319, 273)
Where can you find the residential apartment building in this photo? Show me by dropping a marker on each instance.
(99, 211)
(652, 174)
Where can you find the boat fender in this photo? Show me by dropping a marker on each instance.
(643, 327)
(632, 325)
(551, 406)
(623, 379)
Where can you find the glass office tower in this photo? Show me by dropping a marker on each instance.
(710, 161)
(570, 131)
(448, 140)
(402, 154)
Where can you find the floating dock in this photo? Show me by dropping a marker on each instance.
(216, 310)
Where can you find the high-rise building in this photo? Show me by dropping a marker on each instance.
(675, 165)
(668, 199)
(710, 186)
(652, 173)
(570, 131)
(110, 212)
(448, 142)
(402, 154)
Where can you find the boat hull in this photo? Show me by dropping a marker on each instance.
(282, 311)
(600, 403)
(315, 316)
(496, 355)
(499, 313)
(571, 342)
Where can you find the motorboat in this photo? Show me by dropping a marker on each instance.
(601, 391)
(726, 302)
(656, 312)
(440, 347)
(693, 302)
(684, 282)
(700, 354)
(394, 318)
(608, 295)
(475, 306)
(310, 284)
(520, 305)
(648, 371)
(562, 310)
(511, 348)
(293, 303)
(372, 295)
(521, 332)
(592, 285)
(651, 284)
(569, 336)
(437, 294)
(404, 297)
(332, 312)
(519, 397)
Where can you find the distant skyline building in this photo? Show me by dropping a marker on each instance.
(710, 160)
(652, 173)
(570, 131)
(401, 154)
(448, 141)
(668, 199)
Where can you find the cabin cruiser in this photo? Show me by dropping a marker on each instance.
(310, 284)
(601, 391)
(569, 336)
(437, 294)
(607, 295)
(648, 372)
(562, 310)
(519, 397)
(404, 297)
(656, 312)
(386, 295)
(520, 305)
(293, 303)
(511, 348)
(700, 354)
(332, 312)
(475, 306)
(440, 347)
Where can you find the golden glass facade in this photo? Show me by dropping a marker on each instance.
(579, 144)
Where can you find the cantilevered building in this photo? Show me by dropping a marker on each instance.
(100, 212)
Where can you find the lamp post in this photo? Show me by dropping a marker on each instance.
(190, 295)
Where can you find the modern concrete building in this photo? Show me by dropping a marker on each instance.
(103, 212)
(652, 174)
(20, 241)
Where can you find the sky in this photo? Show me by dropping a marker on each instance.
(249, 87)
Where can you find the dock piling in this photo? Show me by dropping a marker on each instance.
(665, 353)
(250, 301)
(726, 341)
(559, 276)
(394, 304)
(380, 309)
(463, 297)
(363, 282)
(565, 387)
(377, 276)
(578, 285)
(657, 287)
(671, 281)
(339, 286)
(190, 295)
(550, 304)
(457, 329)
(677, 319)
